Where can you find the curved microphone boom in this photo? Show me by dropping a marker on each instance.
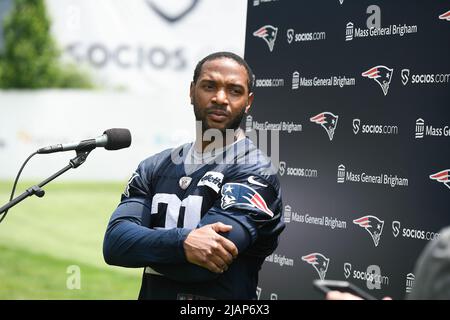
(112, 139)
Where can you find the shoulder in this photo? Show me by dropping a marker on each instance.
(155, 159)
(140, 181)
(432, 281)
(162, 158)
(252, 165)
(439, 249)
(251, 183)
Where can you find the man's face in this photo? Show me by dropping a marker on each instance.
(220, 96)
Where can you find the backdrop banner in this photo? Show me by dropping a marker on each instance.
(359, 92)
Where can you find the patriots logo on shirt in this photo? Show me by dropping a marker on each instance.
(373, 225)
(319, 262)
(328, 121)
(382, 75)
(268, 33)
(238, 194)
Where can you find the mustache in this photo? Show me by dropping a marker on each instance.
(217, 108)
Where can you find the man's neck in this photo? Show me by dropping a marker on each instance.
(226, 139)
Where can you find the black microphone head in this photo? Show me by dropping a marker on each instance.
(117, 138)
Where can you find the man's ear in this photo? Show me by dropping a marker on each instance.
(191, 92)
(249, 102)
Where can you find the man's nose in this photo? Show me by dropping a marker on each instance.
(220, 97)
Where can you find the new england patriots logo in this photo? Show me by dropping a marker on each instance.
(443, 176)
(373, 225)
(238, 194)
(328, 121)
(445, 16)
(268, 33)
(382, 75)
(319, 262)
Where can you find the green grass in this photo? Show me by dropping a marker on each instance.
(65, 227)
(25, 275)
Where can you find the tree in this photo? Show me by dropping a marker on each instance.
(31, 58)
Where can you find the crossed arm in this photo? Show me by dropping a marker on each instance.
(180, 254)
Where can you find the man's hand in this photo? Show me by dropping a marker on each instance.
(206, 248)
(338, 295)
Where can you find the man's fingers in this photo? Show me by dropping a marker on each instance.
(207, 248)
(338, 295)
(217, 265)
(211, 266)
(224, 253)
(229, 246)
(221, 227)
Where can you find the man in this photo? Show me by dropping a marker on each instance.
(432, 270)
(202, 218)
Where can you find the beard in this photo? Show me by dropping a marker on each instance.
(201, 114)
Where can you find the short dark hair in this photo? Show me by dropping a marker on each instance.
(230, 55)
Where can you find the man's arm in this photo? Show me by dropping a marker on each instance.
(206, 248)
(129, 244)
(250, 224)
(179, 253)
(193, 271)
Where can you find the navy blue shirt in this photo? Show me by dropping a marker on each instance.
(157, 212)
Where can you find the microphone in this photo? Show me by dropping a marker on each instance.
(112, 139)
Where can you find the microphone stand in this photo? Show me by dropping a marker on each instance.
(36, 189)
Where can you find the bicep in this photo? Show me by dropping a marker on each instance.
(241, 234)
(187, 272)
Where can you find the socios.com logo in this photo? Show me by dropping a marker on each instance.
(405, 76)
(395, 228)
(347, 270)
(282, 168)
(356, 125)
(290, 35)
